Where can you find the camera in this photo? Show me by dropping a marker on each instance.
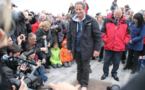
(55, 28)
(21, 37)
(14, 61)
(32, 80)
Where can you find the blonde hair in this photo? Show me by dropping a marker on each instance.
(45, 24)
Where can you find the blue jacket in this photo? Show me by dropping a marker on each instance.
(137, 36)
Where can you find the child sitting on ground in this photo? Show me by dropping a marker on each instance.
(54, 58)
(65, 55)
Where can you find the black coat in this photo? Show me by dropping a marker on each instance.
(90, 39)
(40, 41)
(40, 33)
(6, 74)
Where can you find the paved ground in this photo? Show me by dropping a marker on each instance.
(64, 74)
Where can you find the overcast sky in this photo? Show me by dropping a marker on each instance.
(61, 6)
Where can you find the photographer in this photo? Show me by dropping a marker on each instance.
(20, 24)
(13, 51)
(16, 67)
(40, 70)
(28, 19)
(8, 69)
(45, 40)
(4, 82)
(30, 44)
(21, 40)
(58, 30)
(6, 72)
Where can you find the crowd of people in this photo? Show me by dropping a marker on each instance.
(36, 42)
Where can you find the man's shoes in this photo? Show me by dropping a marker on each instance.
(84, 88)
(123, 61)
(100, 59)
(125, 68)
(104, 77)
(133, 71)
(115, 77)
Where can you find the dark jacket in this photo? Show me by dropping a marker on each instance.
(6, 74)
(40, 41)
(40, 33)
(20, 25)
(90, 39)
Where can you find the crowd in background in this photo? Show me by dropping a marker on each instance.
(42, 39)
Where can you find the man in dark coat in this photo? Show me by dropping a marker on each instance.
(84, 40)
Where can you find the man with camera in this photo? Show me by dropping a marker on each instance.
(8, 69)
(6, 85)
(44, 41)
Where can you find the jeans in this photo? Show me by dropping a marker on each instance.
(41, 73)
(113, 57)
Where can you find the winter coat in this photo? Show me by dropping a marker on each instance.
(137, 37)
(35, 27)
(65, 54)
(116, 35)
(55, 56)
(90, 39)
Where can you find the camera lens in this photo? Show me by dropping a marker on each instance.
(21, 37)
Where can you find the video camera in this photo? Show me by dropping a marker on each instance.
(14, 60)
(55, 28)
(30, 78)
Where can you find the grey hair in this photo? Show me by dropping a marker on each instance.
(118, 10)
(80, 3)
(31, 35)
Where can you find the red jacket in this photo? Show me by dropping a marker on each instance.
(115, 36)
(35, 27)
